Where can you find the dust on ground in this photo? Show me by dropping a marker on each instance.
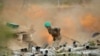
(77, 22)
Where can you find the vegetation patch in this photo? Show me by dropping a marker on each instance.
(1, 5)
(5, 35)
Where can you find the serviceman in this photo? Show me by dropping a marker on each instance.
(55, 33)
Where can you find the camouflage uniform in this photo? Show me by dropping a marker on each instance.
(55, 32)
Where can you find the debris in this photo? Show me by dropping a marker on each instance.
(95, 34)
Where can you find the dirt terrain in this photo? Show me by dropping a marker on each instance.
(77, 22)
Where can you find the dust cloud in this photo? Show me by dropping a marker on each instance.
(77, 21)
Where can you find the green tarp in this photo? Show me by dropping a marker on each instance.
(12, 25)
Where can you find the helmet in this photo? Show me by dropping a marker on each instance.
(47, 24)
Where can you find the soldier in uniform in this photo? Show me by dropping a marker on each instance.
(55, 33)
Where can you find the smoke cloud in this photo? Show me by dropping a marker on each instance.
(77, 21)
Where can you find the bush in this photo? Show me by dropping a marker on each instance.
(5, 35)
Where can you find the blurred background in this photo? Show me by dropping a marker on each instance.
(78, 19)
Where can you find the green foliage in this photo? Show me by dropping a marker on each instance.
(71, 54)
(1, 5)
(5, 51)
(5, 35)
(91, 43)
